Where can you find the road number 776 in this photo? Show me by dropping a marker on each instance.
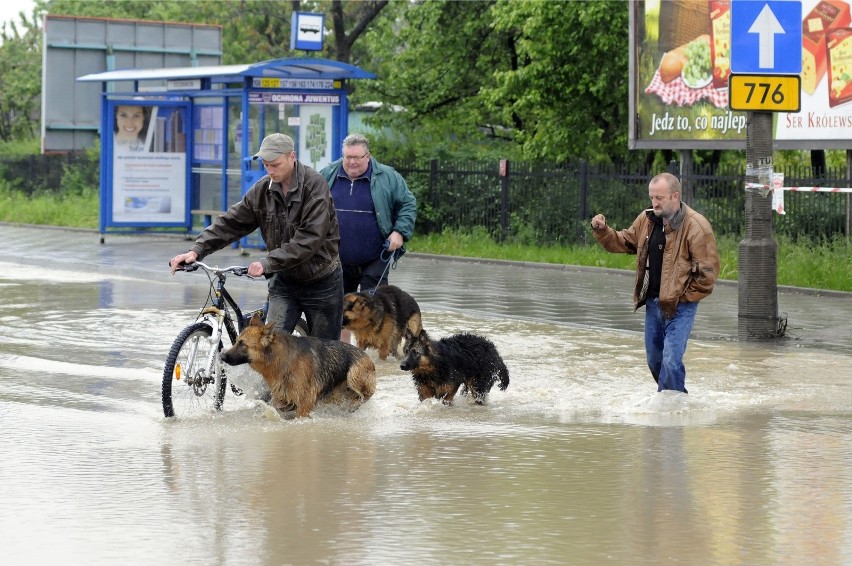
(777, 94)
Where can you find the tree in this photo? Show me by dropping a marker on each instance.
(432, 59)
(568, 95)
(520, 77)
(20, 78)
(362, 13)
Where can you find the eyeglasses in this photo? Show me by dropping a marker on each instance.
(356, 157)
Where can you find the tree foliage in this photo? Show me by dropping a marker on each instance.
(568, 95)
(523, 79)
(432, 60)
(20, 85)
(528, 72)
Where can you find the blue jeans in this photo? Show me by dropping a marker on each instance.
(321, 301)
(665, 343)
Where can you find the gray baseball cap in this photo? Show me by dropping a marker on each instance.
(274, 146)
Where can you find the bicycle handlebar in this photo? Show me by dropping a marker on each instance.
(238, 270)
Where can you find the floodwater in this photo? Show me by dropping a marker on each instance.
(580, 461)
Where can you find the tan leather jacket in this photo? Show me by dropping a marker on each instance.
(300, 229)
(690, 258)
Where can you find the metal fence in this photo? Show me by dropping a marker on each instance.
(541, 203)
(538, 203)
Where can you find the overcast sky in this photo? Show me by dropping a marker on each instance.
(9, 10)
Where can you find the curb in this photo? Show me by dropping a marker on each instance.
(790, 289)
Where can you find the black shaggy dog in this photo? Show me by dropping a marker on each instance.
(380, 319)
(440, 367)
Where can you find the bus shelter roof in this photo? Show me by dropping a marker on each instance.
(304, 68)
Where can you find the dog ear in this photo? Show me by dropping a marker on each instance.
(267, 336)
(255, 320)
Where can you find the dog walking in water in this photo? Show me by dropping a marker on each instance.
(379, 320)
(302, 371)
(440, 367)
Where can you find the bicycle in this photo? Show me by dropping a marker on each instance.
(194, 375)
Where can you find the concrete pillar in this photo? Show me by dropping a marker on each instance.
(758, 255)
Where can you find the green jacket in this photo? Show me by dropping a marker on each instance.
(396, 206)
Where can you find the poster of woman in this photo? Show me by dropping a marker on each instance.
(131, 127)
(149, 163)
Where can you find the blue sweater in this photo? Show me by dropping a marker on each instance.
(360, 238)
(395, 206)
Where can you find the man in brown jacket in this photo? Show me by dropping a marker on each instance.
(292, 206)
(676, 266)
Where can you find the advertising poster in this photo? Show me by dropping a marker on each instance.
(315, 135)
(148, 165)
(680, 68)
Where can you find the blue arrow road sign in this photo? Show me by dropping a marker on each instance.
(766, 37)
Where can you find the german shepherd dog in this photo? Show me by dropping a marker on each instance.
(440, 367)
(300, 371)
(379, 320)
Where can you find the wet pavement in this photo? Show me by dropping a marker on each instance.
(579, 457)
(558, 294)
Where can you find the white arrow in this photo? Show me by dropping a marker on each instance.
(766, 25)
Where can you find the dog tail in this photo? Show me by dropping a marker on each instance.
(361, 378)
(503, 372)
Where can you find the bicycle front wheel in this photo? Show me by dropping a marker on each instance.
(193, 381)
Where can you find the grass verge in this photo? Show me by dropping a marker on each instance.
(824, 265)
(818, 266)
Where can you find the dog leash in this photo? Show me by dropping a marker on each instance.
(390, 259)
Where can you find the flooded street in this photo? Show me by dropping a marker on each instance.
(579, 461)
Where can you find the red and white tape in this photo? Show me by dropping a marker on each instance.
(801, 189)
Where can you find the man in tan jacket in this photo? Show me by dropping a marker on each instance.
(676, 266)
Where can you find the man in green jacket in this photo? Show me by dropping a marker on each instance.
(376, 212)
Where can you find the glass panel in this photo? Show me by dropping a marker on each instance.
(308, 124)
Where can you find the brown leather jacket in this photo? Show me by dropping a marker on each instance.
(690, 258)
(300, 229)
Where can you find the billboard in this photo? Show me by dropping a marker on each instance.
(149, 174)
(680, 67)
(74, 46)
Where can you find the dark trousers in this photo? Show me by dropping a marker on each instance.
(321, 302)
(365, 277)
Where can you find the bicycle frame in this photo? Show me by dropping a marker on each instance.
(194, 376)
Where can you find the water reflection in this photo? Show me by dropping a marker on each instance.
(579, 460)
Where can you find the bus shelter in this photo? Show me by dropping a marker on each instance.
(177, 143)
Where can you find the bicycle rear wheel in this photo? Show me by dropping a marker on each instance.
(189, 386)
(301, 328)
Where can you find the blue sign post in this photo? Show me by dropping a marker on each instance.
(766, 37)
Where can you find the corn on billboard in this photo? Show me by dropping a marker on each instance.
(680, 72)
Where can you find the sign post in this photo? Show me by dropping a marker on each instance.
(766, 59)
